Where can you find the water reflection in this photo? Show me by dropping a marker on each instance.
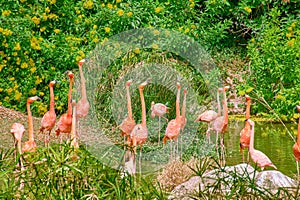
(272, 139)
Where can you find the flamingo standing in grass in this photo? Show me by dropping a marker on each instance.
(17, 130)
(174, 126)
(49, 119)
(257, 156)
(82, 106)
(65, 121)
(159, 110)
(245, 133)
(210, 115)
(30, 145)
(296, 147)
(128, 123)
(220, 124)
(139, 133)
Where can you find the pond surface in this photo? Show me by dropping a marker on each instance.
(272, 139)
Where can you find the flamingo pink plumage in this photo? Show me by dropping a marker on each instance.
(245, 133)
(296, 147)
(30, 145)
(158, 109)
(17, 130)
(73, 135)
(257, 156)
(49, 119)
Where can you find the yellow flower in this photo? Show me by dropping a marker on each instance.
(41, 94)
(129, 14)
(193, 26)
(192, 4)
(6, 99)
(52, 68)
(118, 1)
(0, 103)
(24, 65)
(32, 91)
(56, 98)
(96, 40)
(17, 46)
(47, 10)
(104, 40)
(18, 95)
(136, 50)
(156, 32)
(291, 42)
(1, 89)
(33, 69)
(88, 4)
(52, 1)
(186, 30)
(36, 20)
(6, 13)
(56, 30)
(120, 12)
(247, 9)
(44, 16)
(103, 5)
(43, 29)
(107, 29)
(95, 26)
(12, 78)
(154, 46)
(9, 90)
(158, 9)
(290, 29)
(288, 35)
(252, 40)
(109, 5)
(180, 28)
(293, 24)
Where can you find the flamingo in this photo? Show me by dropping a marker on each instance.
(49, 119)
(74, 142)
(139, 133)
(183, 117)
(245, 133)
(210, 115)
(128, 123)
(30, 145)
(257, 156)
(220, 123)
(82, 106)
(17, 130)
(296, 147)
(159, 110)
(174, 126)
(65, 121)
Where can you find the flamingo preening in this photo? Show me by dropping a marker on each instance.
(210, 115)
(257, 156)
(296, 147)
(49, 119)
(17, 130)
(82, 106)
(159, 110)
(245, 133)
(174, 126)
(139, 133)
(220, 124)
(30, 145)
(128, 123)
(64, 123)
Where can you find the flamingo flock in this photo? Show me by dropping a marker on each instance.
(137, 134)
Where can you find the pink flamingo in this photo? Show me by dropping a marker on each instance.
(82, 106)
(296, 147)
(210, 115)
(174, 126)
(30, 145)
(220, 123)
(128, 123)
(17, 130)
(159, 110)
(74, 142)
(139, 133)
(245, 133)
(49, 119)
(65, 121)
(257, 156)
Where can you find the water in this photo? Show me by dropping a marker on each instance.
(272, 139)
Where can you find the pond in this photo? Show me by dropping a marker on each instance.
(271, 138)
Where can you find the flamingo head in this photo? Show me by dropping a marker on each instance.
(298, 108)
(185, 90)
(129, 82)
(152, 105)
(178, 85)
(226, 88)
(17, 130)
(69, 73)
(52, 83)
(247, 97)
(73, 102)
(142, 85)
(32, 99)
(220, 90)
(81, 62)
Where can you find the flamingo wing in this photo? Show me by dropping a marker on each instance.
(48, 121)
(207, 116)
(261, 159)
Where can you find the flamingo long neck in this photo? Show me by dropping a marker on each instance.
(69, 98)
(129, 103)
(219, 104)
(298, 136)
(82, 82)
(51, 99)
(73, 127)
(143, 108)
(225, 109)
(251, 146)
(178, 104)
(19, 146)
(183, 105)
(30, 124)
(248, 110)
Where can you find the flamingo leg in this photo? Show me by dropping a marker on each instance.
(171, 150)
(222, 150)
(208, 135)
(297, 165)
(248, 155)
(140, 162)
(242, 152)
(158, 130)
